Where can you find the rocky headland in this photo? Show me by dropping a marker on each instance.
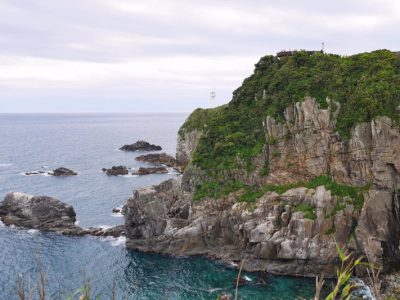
(280, 186)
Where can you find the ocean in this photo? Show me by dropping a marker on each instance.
(86, 143)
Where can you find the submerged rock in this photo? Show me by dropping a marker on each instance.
(116, 170)
(141, 146)
(161, 159)
(35, 173)
(154, 170)
(63, 172)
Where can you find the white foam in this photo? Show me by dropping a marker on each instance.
(46, 174)
(120, 241)
(5, 165)
(233, 264)
(117, 214)
(247, 278)
(2, 224)
(115, 241)
(32, 231)
(77, 222)
(128, 176)
(104, 226)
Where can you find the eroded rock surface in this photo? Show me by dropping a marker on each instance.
(37, 212)
(273, 233)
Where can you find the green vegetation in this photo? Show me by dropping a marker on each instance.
(365, 85)
(346, 194)
(216, 190)
(307, 209)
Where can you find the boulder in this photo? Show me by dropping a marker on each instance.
(141, 146)
(116, 170)
(62, 172)
(154, 170)
(38, 212)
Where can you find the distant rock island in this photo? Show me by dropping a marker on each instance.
(116, 170)
(140, 146)
(63, 172)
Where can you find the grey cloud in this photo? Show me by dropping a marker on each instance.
(98, 31)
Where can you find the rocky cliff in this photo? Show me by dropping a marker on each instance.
(282, 189)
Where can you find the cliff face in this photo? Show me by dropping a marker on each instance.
(307, 187)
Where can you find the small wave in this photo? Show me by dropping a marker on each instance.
(361, 289)
(120, 241)
(128, 176)
(104, 226)
(5, 165)
(214, 290)
(32, 231)
(77, 222)
(233, 264)
(36, 173)
(115, 242)
(247, 278)
(117, 214)
(2, 224)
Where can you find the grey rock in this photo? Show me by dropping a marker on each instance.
(141, 146)
(38, 212)
(47, 214)
(116, 170)
(63, 172)
(152, 170)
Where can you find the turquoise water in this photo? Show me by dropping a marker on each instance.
(86, 143)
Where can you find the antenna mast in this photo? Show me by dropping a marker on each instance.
(212, 95)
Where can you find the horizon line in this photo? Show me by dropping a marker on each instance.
(95, 112)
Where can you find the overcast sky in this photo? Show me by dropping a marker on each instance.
(166, 55)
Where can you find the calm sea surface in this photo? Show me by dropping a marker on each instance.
(86, 143)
